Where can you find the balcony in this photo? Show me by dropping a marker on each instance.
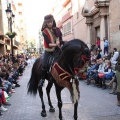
(2, 42)
(15, 44)
(2, 39)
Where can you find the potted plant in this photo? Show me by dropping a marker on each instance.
(11, 34)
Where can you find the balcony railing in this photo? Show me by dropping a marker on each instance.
(16, 43)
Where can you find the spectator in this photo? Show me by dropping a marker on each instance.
(101, 53)
(98, 55)
(108, 73)
(118, 83)
(105, 46)
(115, 56)
(91, 71)
(100, 70)
(98, 42)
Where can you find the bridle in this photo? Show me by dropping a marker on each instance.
(77, 69)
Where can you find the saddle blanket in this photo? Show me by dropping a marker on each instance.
(61, 76)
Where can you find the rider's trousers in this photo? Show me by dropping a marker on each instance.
(45, 59)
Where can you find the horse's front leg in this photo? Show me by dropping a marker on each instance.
(75, 110)
(58, 93)
(43, 112)
(50, 84)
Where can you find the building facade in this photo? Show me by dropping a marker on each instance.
(89, 19)
(21, 25)
(62, 11)
(18, 26)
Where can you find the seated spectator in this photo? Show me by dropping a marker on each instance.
(6, 84)
(98, 55)
(101, 53)
(91, 71)
(2, 100)
(100, 70)
(108, 74)
(93, 57)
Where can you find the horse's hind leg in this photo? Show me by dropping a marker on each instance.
(43, 112)
(58, 93)
(48, 88)
(75, 110)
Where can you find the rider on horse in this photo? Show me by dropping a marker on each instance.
(52, 39)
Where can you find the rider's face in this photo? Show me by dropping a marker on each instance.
(50, 23)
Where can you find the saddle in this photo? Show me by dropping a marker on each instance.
(52, 59)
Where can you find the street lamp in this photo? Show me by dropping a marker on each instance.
(11, 18)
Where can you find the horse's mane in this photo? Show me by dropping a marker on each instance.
(73, 43)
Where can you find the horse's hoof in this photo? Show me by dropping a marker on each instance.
(60, 118)
(52, 110)
(43, 114)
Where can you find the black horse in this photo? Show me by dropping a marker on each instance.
(73, 57)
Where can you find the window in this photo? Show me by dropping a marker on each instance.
(67, 29)
(20, 13)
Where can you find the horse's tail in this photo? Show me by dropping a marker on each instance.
(34, 79)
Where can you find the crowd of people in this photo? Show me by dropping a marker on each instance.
(102, 71)
(11, 68)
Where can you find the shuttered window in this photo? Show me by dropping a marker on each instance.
(67, 29)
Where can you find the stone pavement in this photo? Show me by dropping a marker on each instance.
(94, 104)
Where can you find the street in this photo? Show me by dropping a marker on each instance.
(94, 104)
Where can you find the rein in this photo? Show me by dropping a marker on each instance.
(66, 61)
(76, 70)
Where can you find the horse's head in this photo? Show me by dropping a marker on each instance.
(75, 56)
(81, 59)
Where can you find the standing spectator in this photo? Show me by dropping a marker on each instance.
(98, 42)
(115, 56)
(118, 83)
(105, 46)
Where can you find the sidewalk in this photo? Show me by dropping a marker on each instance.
(94, 104)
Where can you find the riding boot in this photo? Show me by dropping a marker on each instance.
(114, 85)
(118, 98)
(42, 80)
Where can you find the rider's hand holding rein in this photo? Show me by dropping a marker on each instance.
(54, 44)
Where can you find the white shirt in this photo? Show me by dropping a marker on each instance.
(114, 58)
(101, 68)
